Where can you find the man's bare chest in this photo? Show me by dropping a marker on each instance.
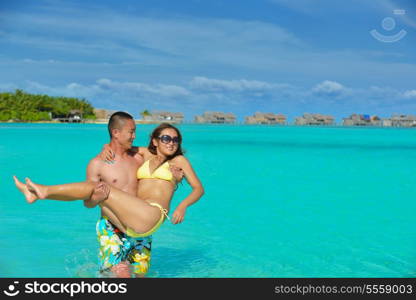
(121, 172)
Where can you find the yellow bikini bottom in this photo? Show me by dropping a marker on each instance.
(164, 213)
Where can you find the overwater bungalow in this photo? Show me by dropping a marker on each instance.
(103, 114)
(314, 119)
(386, 122)
(266, 118)
(74, 116)
(164, 116)
(403, 121)
(216, 118)
(362, 120)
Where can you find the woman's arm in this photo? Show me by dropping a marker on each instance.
(194, 182)
(143, 151)
(108, 155)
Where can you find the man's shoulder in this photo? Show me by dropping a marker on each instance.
(94, 169)
(96, 162)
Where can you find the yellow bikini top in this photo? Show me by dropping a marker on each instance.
(161, 172)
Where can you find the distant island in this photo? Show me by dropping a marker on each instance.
(24, 107)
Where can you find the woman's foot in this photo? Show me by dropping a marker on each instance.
(38, 189)
(31, 192)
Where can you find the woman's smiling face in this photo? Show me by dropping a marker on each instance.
(167, 143)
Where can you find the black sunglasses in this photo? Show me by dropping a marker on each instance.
(166, 139)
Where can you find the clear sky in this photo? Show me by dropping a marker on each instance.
(240, 56)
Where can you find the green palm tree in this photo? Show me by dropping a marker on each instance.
(145, 113)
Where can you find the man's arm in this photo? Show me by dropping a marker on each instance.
(93, 170)
(93, 175)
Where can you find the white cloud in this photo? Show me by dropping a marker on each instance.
(38, 88)
(128, 38)
(410, 94)
(203, 89)
(163, 90)
(209, 90)
(236, 86)
(329, 88)
(180, 47)
(240, 96)
(381, 92)
(109, 89)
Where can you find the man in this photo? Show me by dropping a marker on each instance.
(115, 246)
(119, 253)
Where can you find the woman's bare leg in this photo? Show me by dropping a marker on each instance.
(131, 211)
(62, 192)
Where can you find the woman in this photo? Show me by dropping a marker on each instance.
(141, 215)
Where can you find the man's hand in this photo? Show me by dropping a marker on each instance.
(100, 193)
(107, 154)
(176, 172)
(178, 215)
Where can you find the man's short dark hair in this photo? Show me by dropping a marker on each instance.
(117, 121)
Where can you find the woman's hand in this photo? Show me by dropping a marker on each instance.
(176, 172)
(179, 214)
(107, 155)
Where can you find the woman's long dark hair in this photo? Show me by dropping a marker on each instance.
(155, 135)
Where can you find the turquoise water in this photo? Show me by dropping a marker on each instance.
(279, 202)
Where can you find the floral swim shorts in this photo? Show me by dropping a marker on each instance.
(116, 246)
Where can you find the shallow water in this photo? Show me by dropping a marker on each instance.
(279, 202)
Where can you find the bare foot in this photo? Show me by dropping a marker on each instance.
(38, 189)
(23, 188)
(122, 270)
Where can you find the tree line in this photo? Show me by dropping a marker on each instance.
(22, 106)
